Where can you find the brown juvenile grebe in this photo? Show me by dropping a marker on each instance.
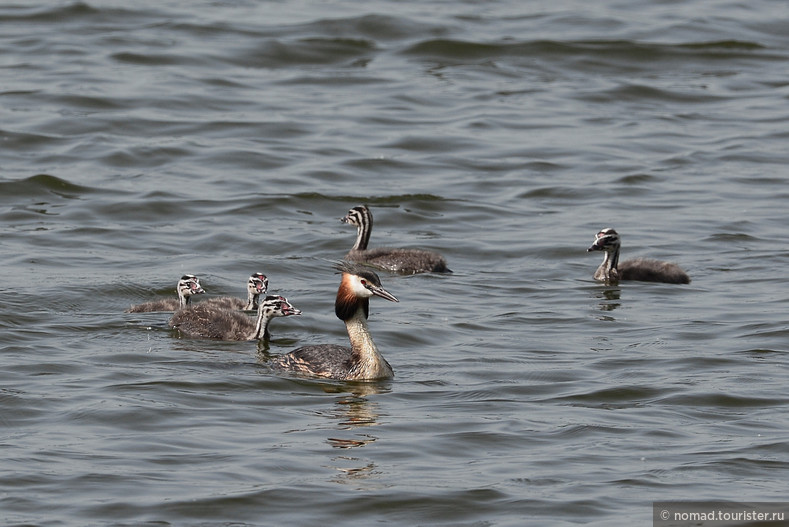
(208, 322)
(644, 269)
(187, 286)
(256, 285)
(405, 261)
(362, 361)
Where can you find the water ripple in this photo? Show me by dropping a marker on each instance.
(144, 141)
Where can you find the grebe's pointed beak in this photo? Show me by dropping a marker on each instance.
(383, 293)
(598, 245)
(288, 309)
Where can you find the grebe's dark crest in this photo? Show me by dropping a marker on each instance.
(188, 286)
(643, 269)
(362, 361)
(405, 261)
(209, 322)
(256, 285)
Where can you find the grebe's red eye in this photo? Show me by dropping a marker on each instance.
(364, 282)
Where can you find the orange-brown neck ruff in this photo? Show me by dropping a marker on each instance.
(347, 303)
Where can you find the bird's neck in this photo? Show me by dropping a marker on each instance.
(184, 300)
(363, 231)
(261, 324)
(368, 363)
(252, 300)
(608, 269)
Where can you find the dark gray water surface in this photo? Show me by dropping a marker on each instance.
(143, 140)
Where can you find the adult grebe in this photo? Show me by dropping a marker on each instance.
(406, 261)
(188, 286)
(256, 285)
(644, 269)
(209, 322)
(362, 361)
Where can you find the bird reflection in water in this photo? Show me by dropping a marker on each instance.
(353, 412)
(609, 299)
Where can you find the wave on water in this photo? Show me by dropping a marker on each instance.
(42, 185)
(72, 12)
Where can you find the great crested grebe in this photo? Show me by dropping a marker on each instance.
(208, 322)
(256, 285)
(362, 361)
(644, 269)
(405, 261)
(188, 286)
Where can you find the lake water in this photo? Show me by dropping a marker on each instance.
(143, 140)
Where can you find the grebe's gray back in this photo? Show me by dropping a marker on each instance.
(188, 285)
(405, 261)
(256, 285)
(361, 361)
(209, 322)
(643, 269)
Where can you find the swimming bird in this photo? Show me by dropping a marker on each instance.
(256, 285)
(405, 261)
(360, 362)
(644, 269)
(188, 285)
(208, 322)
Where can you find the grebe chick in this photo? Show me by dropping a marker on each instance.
(256, 285)
(643, 269)
(405, 261)
(188, 286)
(362, 361)
(208, 322)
